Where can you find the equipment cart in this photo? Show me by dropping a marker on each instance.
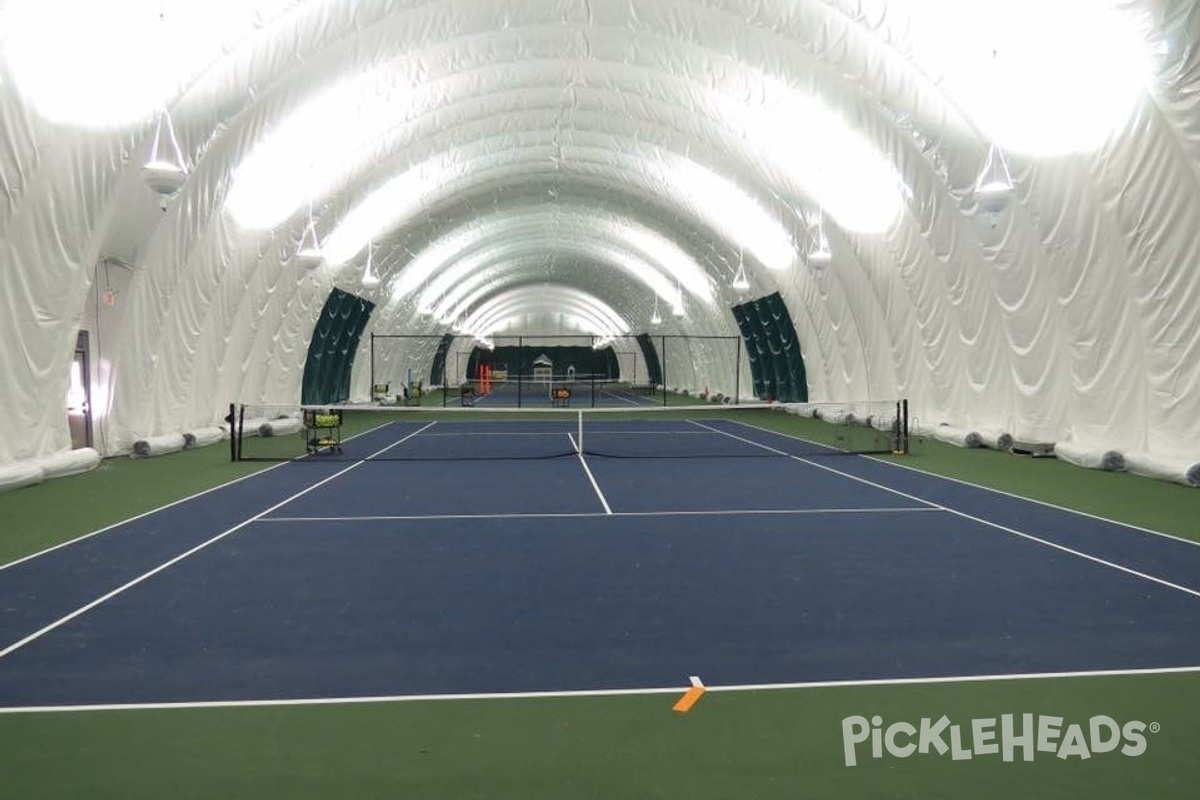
(323, 430)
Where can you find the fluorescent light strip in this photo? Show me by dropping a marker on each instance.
(825, 156)
(322, 142)
(717, 203)
(653, 254)
(104, 65)
(548, 300)
(650, 278)
(495, 323)
(1009, 70)
(552, 299)
(451, 279)
(727, 209)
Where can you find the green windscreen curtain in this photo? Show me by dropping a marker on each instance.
(773, 350)
(333, 347)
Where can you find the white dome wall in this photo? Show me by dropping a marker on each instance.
(1076, 315)
(54, 209)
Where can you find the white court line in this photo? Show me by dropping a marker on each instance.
(466, 431)
(644, 432)
(143, 515)
(1139, 528)
(662, 690)
(620, 397)
(173, 503)
(1046, 503)
(146, 576)
(728, 512)
(972, 517)
(591, 477)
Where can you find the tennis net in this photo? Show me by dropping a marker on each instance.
(358, 433)
(552, 391)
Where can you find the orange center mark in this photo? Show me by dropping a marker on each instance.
(692, 696)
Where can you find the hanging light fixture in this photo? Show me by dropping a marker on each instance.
(309, 254)
(820, 255)
(740, 282)
(994, 186)
(165, 172)
(369, 279)
(656, 318)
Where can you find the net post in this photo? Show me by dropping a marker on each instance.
(592, 341)
(904, 427)
(579, 433)
(897, 424)
(520, 367)
(373, 365)
(231, 419)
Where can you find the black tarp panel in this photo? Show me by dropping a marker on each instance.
(773, 350)
(332, 349)
(792, 370)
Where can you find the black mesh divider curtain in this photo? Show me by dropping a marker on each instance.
(332, 349)
(612, 366)
(752, 336)
(650, 358)
(438, 371)
(776, 362)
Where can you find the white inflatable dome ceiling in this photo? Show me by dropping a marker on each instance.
(554, 166)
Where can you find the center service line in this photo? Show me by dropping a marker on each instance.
(591, 477)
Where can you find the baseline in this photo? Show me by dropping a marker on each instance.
(658, 690)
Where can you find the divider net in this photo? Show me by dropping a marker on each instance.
(397, 433)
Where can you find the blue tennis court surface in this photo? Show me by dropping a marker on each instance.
(428, 576)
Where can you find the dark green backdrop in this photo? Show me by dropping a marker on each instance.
(519, 360)
(333, 347)
(776, 363)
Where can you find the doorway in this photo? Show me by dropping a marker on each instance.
(79, 395)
